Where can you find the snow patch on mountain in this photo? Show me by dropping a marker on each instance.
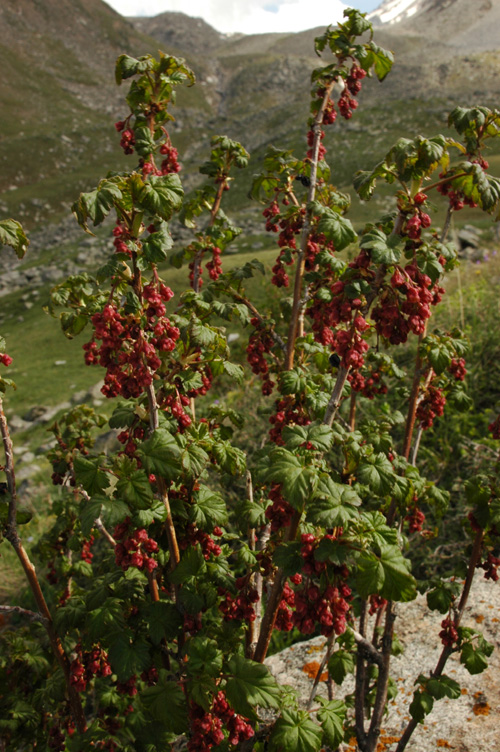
(392, 11)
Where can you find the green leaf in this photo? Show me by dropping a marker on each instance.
(127, 66)
(166, 703)
(161, 195)
(295, 730)
(332, 715)
(473, 659)
(288, 557)
(208, 510)
(135, 489)
(297, 482)
(441, 597)
(88, 472)
(160, 454)
(340, 664)
(97, 204)
(128, 657)
(194, 459)
(377, 473)
(192, 564)
(443, 686)
(384, 249)
(319, 435)
(164, 621)
(12, 233)
(204, 657)
(336, 228)
(399, 584)
(421, 705)
(250, 685)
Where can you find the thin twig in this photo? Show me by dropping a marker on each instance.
(382, 680)
(32, 615)
(329, 647)
(334, 401)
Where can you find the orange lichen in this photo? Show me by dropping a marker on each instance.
(312, 668)
(443, 743)
(479, 618)
(464, 691)
(385, 742)
(481, 708)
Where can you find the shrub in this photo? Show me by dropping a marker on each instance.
(172, 561)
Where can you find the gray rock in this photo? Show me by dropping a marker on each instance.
(35, 412)
(28, 471)
(468, 724)
(27, 457)
(16, 423)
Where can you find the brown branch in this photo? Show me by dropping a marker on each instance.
(382, 681)
(199, 256)
(329, 647)
(104, 532)
(301, 255)
(11, 534)
(334, 401)
(274, 599)
(32, 615)
(360, 686)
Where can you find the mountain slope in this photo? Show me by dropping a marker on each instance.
(59, 99)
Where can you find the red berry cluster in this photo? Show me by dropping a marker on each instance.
(240, 607)
(490, 566)
(214, 266)
(289, 410)
(430, 406)
(347, 102)
(405, 305)
(129, 438)
(350, 345)
(169, 163)
(416, 223)
(457, 368)
(128, 687)
(134, 548)
(448, 634)
(207, 726)
(5, 359)
(290, 228)
(175, 404)
(129, 349)
(86, 665)
(368, 385)
(284, 615)
(150, 677)
(494, 428)
(260, 343)
(327, 606)
(192, 536)
(121, 235)
(127, 140)
(415, 519)
(377, 603)
(272, 214)
(87, 554)
(280, 512)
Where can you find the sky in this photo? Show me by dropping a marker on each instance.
(249, 16)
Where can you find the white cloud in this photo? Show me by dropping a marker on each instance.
(247, 16)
